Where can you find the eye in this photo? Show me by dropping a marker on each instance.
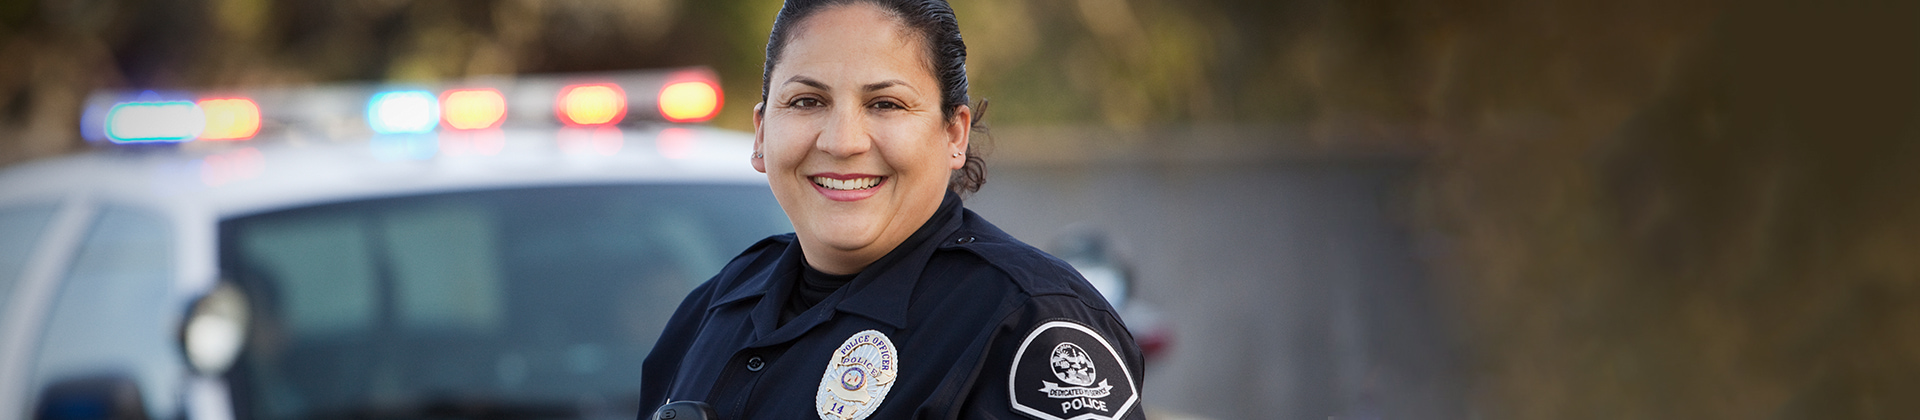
(805, 103)
(887, 105)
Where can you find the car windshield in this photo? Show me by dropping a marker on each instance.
(522, 303)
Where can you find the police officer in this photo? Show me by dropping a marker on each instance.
(890, 300)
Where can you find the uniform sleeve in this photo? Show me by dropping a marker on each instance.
(662, 365)
(1056, 358)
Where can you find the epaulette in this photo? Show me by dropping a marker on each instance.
(1035, 272)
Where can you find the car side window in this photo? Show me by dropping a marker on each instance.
(114, 313)
(20, 231)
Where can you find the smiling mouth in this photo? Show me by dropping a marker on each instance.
(854, 184)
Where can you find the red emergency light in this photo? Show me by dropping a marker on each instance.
(690, 101)
(473, 109)
(588, 105)
(230, 119)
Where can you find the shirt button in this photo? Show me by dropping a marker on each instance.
(755, 363)
(964, 240)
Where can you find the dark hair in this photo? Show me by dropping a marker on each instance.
(934, 22)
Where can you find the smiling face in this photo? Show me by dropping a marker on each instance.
(855, 144)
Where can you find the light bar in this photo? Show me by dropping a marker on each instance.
(693, 101)
(583, 100)
(591, 105)
(403, 112)
(155, 122)
(230, 119)
(474, 109)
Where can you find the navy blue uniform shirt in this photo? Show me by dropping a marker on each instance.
(959, 321)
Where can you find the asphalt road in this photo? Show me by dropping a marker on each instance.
(1292, 284)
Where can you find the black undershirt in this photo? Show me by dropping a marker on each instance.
(814, 287)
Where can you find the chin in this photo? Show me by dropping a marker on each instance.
(845, 235)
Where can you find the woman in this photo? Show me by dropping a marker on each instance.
(889, 300)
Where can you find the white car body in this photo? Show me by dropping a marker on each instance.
(195, 186)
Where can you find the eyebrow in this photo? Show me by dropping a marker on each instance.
(870, 87)
(883, 85)
(809, 82)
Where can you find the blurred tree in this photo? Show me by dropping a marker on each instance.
(1125, 63)
(1662, 210)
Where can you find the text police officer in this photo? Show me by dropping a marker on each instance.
(890, 300)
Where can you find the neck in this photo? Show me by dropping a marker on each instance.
(836, 261)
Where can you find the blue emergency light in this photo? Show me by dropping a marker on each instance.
(155, 122)
(403, 112)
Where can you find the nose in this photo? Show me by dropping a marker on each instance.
(845, 135)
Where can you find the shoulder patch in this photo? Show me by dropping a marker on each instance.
(1066, 371)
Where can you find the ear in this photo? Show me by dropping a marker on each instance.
(958, 130)
(759, 138)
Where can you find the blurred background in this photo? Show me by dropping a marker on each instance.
(1343, 209)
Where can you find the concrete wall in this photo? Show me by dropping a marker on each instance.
(1285, 269)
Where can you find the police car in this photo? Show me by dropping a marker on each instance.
(503, 248)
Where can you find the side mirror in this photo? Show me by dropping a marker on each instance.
(91, 398)
(215, 329)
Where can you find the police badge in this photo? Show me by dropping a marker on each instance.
(1061, 380)
(857, 378)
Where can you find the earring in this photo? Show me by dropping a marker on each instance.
(757, 155)
(956, 155)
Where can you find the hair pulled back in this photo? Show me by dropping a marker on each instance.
(934, 22)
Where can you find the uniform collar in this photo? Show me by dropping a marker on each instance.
(755, 283)
(889, 282)
(879, 292)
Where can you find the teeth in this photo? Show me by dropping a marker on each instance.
(846, 184)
